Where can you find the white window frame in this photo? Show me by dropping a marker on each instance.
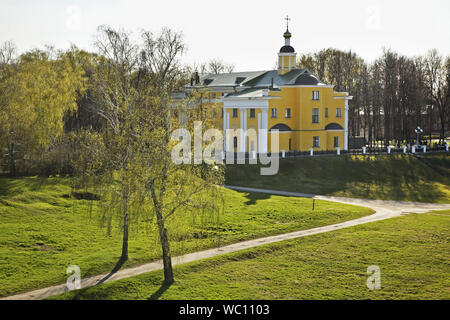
(336, 138)
(273, 113)
(314, 142)
(316, 95)
(315, 115)
(288, 113)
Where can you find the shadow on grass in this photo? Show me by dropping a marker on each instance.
(253, 197)
(158, 293)
(383, 177)
(113, 271)
(17, 185)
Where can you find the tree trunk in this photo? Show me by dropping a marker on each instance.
(124, 256)
(167, 259)
(442, 118)
(430, 122)
(12, 163)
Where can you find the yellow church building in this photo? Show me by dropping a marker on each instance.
(307, 113)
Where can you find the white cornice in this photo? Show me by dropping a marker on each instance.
(247, 99)
(343, 97)
(287, 54)
(238, 104)
(305, 86)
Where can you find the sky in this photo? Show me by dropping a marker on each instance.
(245, 33)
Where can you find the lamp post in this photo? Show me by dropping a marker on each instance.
(418, 131)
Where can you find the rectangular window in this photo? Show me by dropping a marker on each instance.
(338, 112)
(235, 113)
(316, 95)
(223, 111)
(315, 115)
(274, 113)
(326, 112)
(252, 113)
(316, 142)
(336, 142)
(288, 112)
(235, 142)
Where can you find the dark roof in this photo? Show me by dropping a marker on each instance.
(265, 80)
(287, 49)
(333, 126)
(307, 79)
(259, 79)
(280, 127)
(228, 79)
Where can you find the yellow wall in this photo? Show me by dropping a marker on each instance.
(282, 69)
(299, 100)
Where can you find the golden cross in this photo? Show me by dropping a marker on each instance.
(287, 21)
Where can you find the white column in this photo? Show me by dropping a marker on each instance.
(259, 133)
(243, 129)
(264, 125)
(224, 129)
(346, 126)
(226, 136)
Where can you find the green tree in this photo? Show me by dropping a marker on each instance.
(37, 90)
(132, 90)
(172, 189)
(110, 158)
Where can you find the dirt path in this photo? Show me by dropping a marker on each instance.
(384, 209)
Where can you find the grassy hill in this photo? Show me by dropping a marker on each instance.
(411, 252)
(44, 229)
(395, 177)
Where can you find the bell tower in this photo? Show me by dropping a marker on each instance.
(287, 55)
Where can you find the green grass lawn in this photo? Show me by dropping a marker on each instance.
(411, 252)
(394, 177)
(43, 230)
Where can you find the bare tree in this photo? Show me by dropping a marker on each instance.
(8, 52)
(436, 80)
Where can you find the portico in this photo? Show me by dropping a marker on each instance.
(232, 123)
